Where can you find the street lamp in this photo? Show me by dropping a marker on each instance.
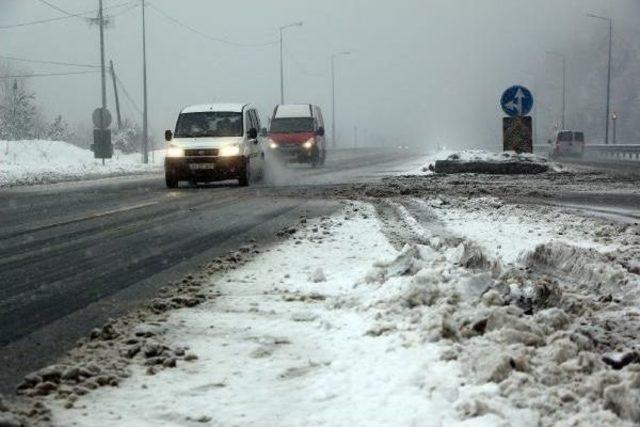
(295, 24)
(614, 117)
(333, 95)
(603, 18)
(564, 84)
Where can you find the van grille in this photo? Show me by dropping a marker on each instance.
(203, 152)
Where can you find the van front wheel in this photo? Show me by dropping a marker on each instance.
(171, 179)
(245, 175)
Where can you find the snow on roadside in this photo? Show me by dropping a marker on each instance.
(506, 230)
(336, 327)
(311, 333)
(38, 161)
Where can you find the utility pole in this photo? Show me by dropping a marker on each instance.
(564, 84)
(115, 94)
(610, 20)
(333, 95)
(103, 71)
(145, 116)
(295, 24)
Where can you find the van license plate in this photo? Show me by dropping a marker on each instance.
(202, 166)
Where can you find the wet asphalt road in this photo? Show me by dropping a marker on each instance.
(74, 255)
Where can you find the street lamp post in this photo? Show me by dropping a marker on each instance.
(333, 95)
(564, 85)
(295, 24)
(610, 20)
(614, 117)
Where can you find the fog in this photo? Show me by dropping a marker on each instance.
(424, 71)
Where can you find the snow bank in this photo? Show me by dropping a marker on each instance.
(389, 319)
(479, 161)
(279, 347)
(36, 162)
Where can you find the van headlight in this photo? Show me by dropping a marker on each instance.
(272, 144)
(309, 144)
(229, 151)
(175, 152)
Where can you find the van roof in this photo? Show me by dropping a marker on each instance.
(293, 110)
(227, 108)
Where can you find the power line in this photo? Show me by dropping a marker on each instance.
(42, 21)
(207, 36)
(38, 61)
(130, 8)
(48, 74)
(59, 9)
(126, 94)
(84, 15)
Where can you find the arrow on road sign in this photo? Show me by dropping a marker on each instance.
(517, 105)
(517, 101)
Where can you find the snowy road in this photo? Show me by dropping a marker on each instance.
(367, 293)
(73, 255)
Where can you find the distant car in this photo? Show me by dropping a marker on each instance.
(215, 142)
(296, 134)
(567, 143)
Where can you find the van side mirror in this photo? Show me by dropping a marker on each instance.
(253, 133)
(264, 133)
(168, 135)
(320, 131)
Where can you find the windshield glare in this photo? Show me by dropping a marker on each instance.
(209, 124)
(291, 125)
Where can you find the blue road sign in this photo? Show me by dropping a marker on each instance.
(517, 101)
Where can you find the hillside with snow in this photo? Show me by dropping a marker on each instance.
(39, 162)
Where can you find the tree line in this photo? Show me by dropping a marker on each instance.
(21, 118)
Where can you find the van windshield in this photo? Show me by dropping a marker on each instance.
(565, 136)
(292, 125)
(210, 123)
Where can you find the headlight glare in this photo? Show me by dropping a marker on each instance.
(273, 145)
(175, 152)
(309, 144)
(230, 151)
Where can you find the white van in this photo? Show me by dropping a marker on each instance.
(567, 143)
(215, 142)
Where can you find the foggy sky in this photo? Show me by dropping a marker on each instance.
(421, 70)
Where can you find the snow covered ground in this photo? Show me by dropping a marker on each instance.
(407, 312)
(37, 162)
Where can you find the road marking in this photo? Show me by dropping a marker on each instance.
(81, 219)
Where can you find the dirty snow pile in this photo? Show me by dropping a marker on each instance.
(37, 161)
(480, 161)
(343, 324)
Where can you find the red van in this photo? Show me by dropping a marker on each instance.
(296, 134)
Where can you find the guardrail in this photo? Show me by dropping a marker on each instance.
(618, 151)
(600, 151)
